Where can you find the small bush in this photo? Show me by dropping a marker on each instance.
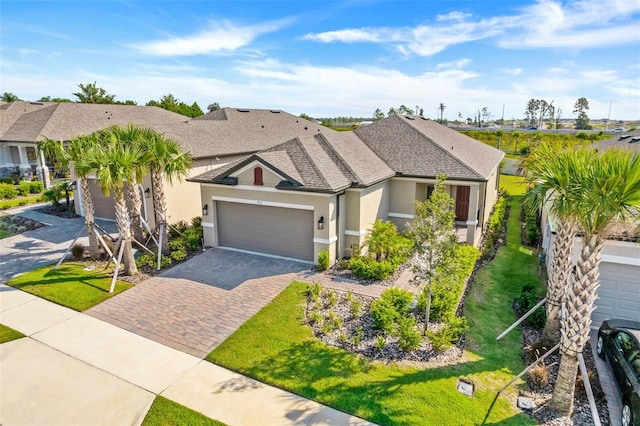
(539, 375)
(323, 260)
(332, 298)
(23, 188)
(328, 327)
(177, 244)
(355, 308)
(335, 319)
(314, 291)
(408, 337)
(165, 261)
(381, 342)
(440, 340)
(315, 318)
(370, 269)
(528, 299)
(178, 255)
(193, 242)
(145, 260)
(77, 251)
(401, 299)
(8, 191)
(36, 187)
(178, 228)
(6, 180)
(384, 316)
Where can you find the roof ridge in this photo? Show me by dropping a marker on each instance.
(339, 157)
(313, 165)
(437, 145)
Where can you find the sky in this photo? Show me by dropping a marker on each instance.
(331, 58)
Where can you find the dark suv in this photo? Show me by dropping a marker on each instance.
(619, 343)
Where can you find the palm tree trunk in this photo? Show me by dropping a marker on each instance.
(133, 204)
(576, 326)
(558, 279)
(122, 218)
(160, 207)
(89, 218)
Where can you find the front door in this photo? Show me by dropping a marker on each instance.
(462, 203)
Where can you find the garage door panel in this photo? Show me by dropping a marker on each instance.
(618, 294)
(103, 205)
(265, 229)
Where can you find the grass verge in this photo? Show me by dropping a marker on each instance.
(20, 201)
(70, 285)
(168, 413)
(8, 334)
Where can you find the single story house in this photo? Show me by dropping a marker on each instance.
(619, 291)
(324, 190)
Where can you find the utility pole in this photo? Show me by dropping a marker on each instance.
(606, 127)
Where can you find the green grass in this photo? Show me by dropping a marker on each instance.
(69, 285)
(168, 413)
(515, 185)
(8, 334)
(274, 347)
(4, 234)
(20, 201)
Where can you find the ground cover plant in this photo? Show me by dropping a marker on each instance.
(8, 334)
(14, 225)
(168, 413)
(76, 285)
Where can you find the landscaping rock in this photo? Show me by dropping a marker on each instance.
(465, 387)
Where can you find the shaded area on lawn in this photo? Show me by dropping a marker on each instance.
(70, 285)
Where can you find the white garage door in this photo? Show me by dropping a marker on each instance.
(618, 294)
(103, 206)
(264, 229)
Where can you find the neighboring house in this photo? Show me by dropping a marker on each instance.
(619, 291)
(213, 140)
(326, 189)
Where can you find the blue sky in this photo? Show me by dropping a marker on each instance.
(331, 58)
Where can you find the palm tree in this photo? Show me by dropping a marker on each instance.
(117, 164)
(77, 152)
(165, 160)
(611, 193)
(550, 172)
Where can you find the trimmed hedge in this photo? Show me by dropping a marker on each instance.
(8, 191)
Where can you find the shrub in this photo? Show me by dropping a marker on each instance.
(408, 337)
(449, 334)
(384, 241)
(177, 244)
(335, 319)
(400, 299)
(23, 188)
(314, 290)
(178, 255)
(77, 251)
(496, 221)
(323, 260)
(531, 228)
(539, 375)
(36, 187)
(178, 228)
(6, 180)
(8, 191)
(384, 315)
(355, 308)
(528, 299)
(369, 269)
(193, 242)
(328, 327)
(332, 298)
(381, 342)
(315, 318)
(146, 260)
(165, 261)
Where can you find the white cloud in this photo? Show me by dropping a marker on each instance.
(27, 52)
(512, 71)
(220, 37)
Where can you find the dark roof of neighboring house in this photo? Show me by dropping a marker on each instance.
(11, 111)
(233, 131)
(396, 146)
(414, 146)
(68, 120)
(628, 140)
(322, 162)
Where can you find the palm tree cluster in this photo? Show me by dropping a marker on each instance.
(119, 157)
(587, 193)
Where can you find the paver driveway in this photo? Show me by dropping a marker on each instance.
(194, 306)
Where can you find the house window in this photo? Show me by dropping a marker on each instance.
(430, 189)
(257, 176)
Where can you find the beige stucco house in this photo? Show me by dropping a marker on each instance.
(324, 190)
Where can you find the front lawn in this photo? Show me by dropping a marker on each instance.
(275, 347)
(70, 285)
(168, 413)
(8, 334)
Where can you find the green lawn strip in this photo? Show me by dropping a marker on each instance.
(8, 334)
(515, 185)
(168, 413)
(20, 201)
(70, 285)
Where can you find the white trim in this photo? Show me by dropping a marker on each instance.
(446, 182)
(618, 243)
(266, 255)
(263, 203)
(253, 164)
(401, 215)
(325, 241)
(623, 260)
(265, 189)
(355, 233)
(207, 225)
(472, 222)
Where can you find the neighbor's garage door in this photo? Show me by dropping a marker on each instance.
(618, 294)
(103, 205)
(272, 230)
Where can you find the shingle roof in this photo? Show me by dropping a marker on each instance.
(414, 146)
(232, 131)
(68, 120)
(11, 111)
(628, 140)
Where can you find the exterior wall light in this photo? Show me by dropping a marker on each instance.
(205, 210)
(321, 223)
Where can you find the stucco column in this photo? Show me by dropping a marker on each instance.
(472, 217)
(43, 171)
(24, 160)
(5, 156)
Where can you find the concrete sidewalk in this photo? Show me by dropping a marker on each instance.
(73, 369)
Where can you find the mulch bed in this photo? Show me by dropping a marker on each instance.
(15, 225)
(61, 210)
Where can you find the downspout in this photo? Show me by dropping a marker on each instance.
(338, 235)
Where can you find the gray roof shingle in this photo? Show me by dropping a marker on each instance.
(628, 140)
